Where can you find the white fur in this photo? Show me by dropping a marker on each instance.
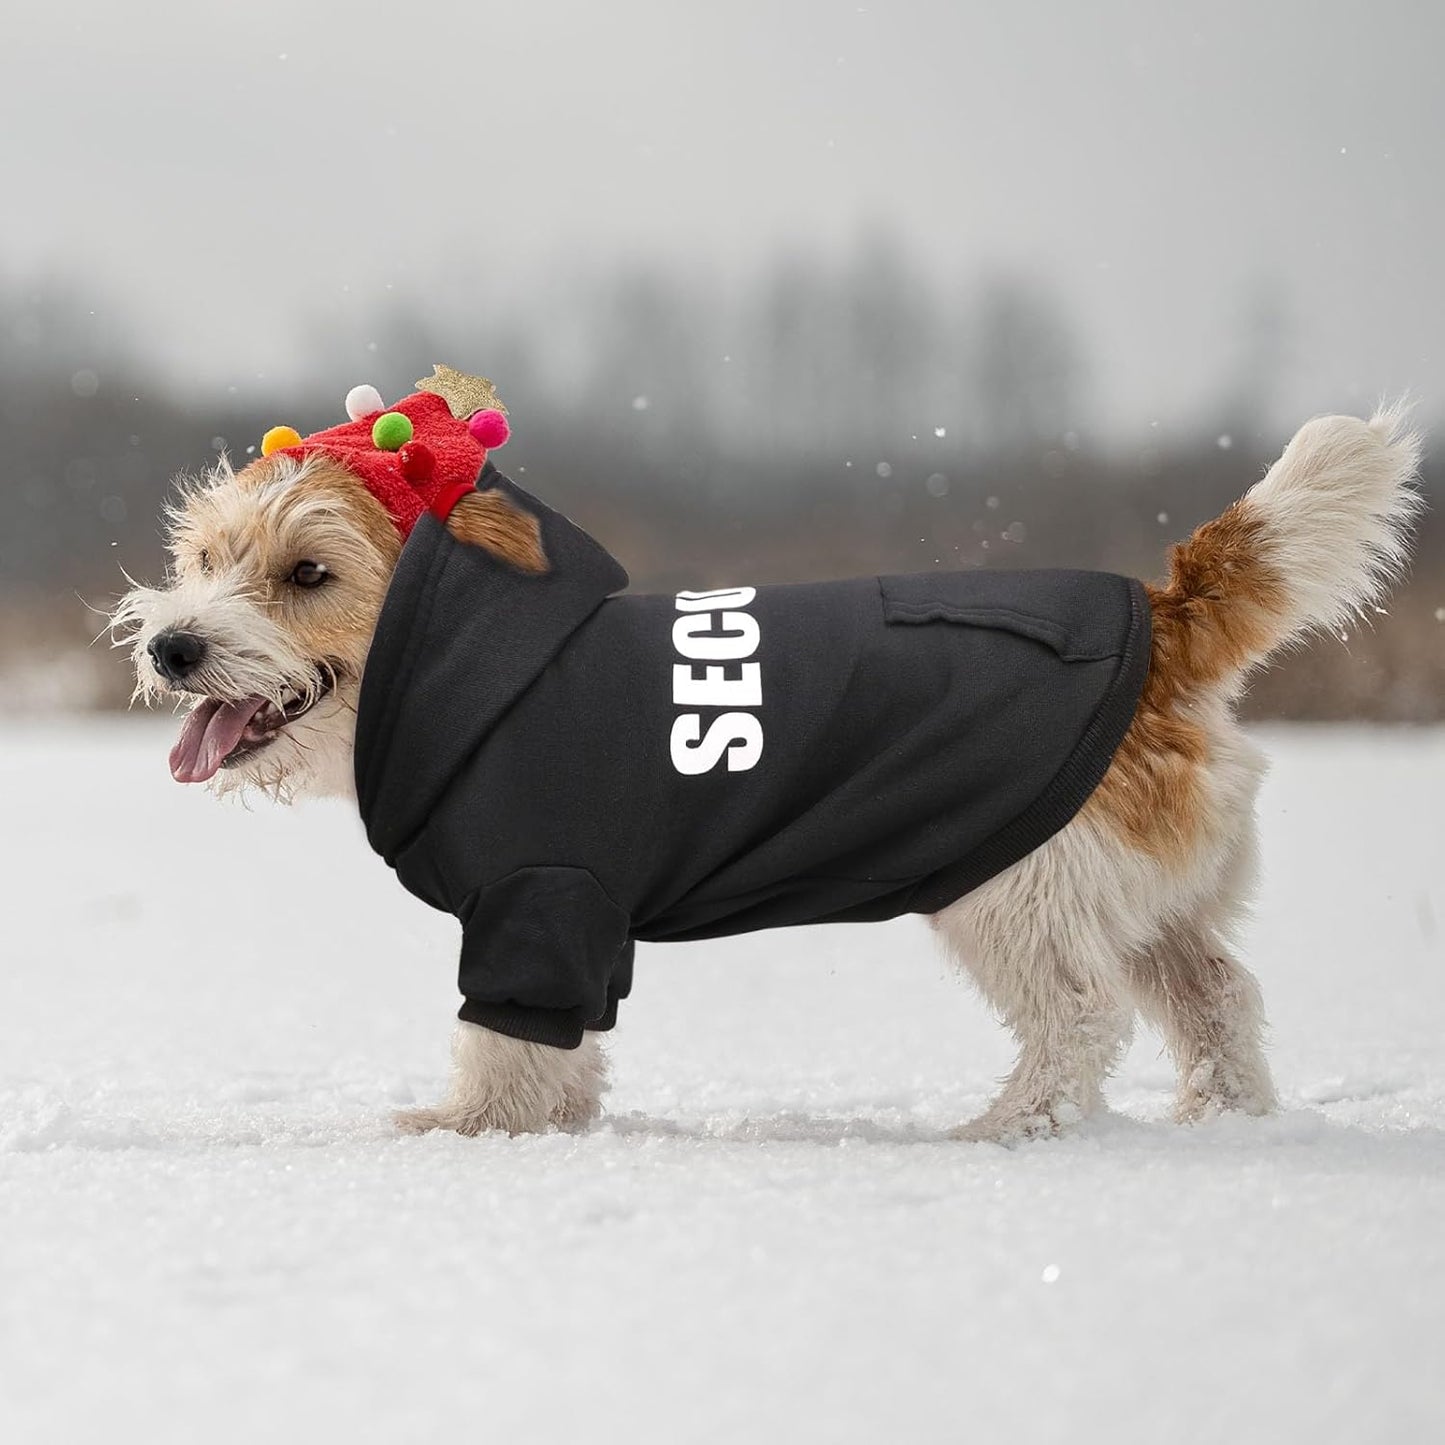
(518, 1087)
(247, 653)
(1337, 508)
(1062, 946)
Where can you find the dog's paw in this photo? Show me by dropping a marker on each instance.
(1010, 1126)
(1219, 1086)
(440, 1117)
(1007, 1132)
(574, 1110)
(580, 1103)
(509, 1086)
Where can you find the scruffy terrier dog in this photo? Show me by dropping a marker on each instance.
(1128, 906)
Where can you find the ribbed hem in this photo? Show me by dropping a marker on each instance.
(561, 1028)
(1070, 788)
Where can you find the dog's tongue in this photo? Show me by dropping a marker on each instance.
(212, 729)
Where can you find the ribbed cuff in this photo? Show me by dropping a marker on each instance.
(560, 1028)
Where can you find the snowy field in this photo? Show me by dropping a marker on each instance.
(209, 1233)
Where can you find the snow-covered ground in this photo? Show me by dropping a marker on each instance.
(208, 1232)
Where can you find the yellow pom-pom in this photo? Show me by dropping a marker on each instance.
(278, 438)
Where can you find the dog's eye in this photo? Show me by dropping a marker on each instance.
(308, 574)
(204, 560)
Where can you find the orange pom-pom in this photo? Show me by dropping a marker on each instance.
(278, 438)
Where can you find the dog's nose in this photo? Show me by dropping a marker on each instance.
(176, 654)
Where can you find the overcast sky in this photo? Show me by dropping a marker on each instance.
(224, 174)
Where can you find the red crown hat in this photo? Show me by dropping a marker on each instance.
(422, 455)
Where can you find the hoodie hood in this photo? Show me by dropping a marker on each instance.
(460, 638)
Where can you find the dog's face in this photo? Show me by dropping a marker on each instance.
(278, 574)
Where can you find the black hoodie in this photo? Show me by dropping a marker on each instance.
(568, 771)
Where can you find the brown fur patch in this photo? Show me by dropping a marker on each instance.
(257, 525)
(1150, 797)
(488, 519)
(1219, 612)
(1214, 617)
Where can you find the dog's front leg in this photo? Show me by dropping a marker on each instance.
(499, 1082)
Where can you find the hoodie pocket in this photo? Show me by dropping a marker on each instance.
(1052, 607)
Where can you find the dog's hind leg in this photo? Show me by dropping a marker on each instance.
(1045, 942)
(1187, 983)
(1208, 1008)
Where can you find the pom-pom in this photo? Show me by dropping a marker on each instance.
(490, 428)
(417, 462)
(362, 401)
(391, 431)
(278, 438)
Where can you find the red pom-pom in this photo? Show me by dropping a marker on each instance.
(417, 462)
(490, 428)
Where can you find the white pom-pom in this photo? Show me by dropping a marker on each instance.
(362, 401)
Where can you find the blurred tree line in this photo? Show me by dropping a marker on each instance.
(826, 421)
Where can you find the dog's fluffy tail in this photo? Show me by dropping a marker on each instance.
(1319, 539)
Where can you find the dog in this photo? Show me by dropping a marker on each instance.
(281, 571)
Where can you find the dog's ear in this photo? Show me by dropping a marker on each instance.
(488, 519)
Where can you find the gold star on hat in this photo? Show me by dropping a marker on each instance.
(462, 393)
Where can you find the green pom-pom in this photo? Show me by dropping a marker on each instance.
(390, 431)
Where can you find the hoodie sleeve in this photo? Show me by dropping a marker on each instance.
(545, 954)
